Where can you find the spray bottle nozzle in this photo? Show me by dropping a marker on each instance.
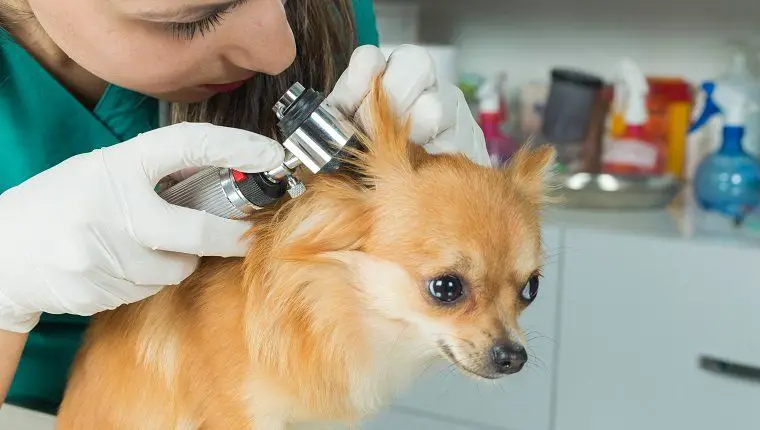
(727, 101)
(637, 89)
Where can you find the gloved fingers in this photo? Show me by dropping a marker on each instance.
(463, 136)
(354, 84)
(98, 298)
(433, 113)
(480, 153)
(16, 318)
(146, 268)
(441, 146)
(470, 143)
(471, 133)
(166, 227)
(81, 294)
(170, 149)
(409, 73)
(186, 173)
(18, 323)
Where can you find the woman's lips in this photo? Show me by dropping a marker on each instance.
(224, 88)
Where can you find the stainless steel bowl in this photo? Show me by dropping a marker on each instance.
(605, 191)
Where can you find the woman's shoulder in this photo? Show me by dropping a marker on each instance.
(366, 22)
(42, 123)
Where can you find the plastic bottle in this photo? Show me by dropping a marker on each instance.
(491, 116)
(708, 137)
(739, 76)
(635, 152)
(728, 180)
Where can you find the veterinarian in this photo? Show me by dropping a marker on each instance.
(101, 99)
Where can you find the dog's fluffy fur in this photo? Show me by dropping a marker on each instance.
(329, 315)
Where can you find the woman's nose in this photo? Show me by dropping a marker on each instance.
(262, 39)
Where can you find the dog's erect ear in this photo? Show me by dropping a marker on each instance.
(532, 171)
(386, 147)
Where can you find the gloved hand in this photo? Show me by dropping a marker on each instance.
(91, 234)
(441, 121)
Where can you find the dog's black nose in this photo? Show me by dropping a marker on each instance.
(508, 357)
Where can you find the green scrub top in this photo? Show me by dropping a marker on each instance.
(42, 124)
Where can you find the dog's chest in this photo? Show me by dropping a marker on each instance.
(397, 359)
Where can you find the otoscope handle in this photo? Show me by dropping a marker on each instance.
(225, 192)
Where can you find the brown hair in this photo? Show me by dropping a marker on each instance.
(325, 35)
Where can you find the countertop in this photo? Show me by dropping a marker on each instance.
(680, 221)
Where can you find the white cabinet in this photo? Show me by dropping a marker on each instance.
(410, 420)
(637, 316)
(15, 418)
(518, 402)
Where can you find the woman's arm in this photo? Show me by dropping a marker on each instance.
(11, 346)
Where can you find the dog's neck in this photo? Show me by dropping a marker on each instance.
(321, 330)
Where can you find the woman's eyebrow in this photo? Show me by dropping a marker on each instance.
(185, 13)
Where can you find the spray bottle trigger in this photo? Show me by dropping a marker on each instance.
(710, 107)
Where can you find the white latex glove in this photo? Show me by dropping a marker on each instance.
(441, 120)
(91, 234)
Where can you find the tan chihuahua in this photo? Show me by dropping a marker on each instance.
(347, 294)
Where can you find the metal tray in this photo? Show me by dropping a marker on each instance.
(605, 191)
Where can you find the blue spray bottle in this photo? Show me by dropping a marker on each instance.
(728, 180)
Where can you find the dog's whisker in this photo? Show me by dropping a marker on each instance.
(536, 362)
(532, 335)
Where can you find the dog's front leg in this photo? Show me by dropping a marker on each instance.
(258, 424)
(269, 423)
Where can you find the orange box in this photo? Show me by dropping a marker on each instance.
(669, 103)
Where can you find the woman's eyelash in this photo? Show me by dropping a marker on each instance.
(188, 30)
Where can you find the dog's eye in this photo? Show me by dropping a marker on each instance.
(446, 289)
(530, 290)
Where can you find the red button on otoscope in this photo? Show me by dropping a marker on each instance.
(237, 175)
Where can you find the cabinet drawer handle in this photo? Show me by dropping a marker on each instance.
(736, 370)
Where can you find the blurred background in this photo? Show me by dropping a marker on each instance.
(648, 315)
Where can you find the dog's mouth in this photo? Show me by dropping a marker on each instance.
(448, 352)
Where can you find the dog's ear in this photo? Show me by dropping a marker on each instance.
(386, 149)
(532, 171)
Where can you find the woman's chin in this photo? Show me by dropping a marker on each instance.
(187, 95)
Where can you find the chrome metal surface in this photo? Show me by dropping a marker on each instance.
(233, 194)
(211, 190)
(295, 187)
(314, 144)
(605, 191)
(287, 99)
(285, 169)
(320, 138)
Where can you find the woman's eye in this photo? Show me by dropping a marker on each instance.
(530, 290)
(203, 25)
(190, 29)
(446, 289)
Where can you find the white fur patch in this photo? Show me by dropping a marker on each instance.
(398, 357)
(158, 350)
(270, 412)
(400, 350)
(525, 258)
(307, 225)
(186, 424)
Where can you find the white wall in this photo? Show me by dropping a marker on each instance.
(525, 38)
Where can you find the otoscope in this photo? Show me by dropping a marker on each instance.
(314, 133)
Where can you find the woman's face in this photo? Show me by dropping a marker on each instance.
(176, 50)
